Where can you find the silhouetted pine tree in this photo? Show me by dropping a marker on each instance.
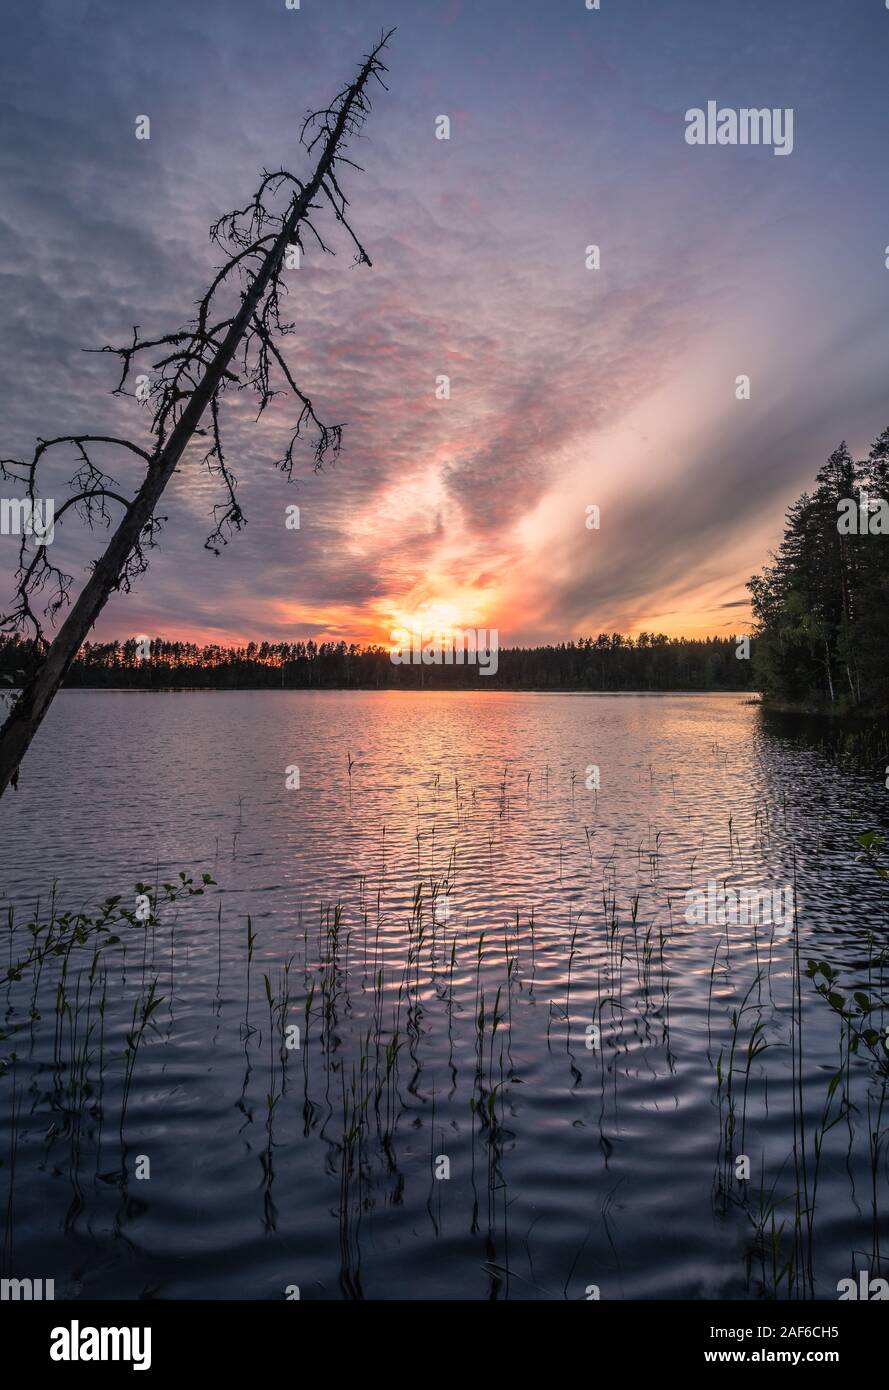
(821, 607)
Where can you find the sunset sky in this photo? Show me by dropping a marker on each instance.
(569, 387)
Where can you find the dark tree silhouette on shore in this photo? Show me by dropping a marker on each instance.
(822, 606)
(611, 661)
(234, 341)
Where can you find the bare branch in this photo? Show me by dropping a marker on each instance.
(188, 374)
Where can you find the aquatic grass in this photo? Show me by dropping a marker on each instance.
(377, 1084)
(141, 1019)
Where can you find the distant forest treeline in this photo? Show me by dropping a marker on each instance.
(647, 662)
(822, 607)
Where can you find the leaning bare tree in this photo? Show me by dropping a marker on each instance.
(191, 370)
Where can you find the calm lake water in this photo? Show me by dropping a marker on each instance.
(447, 925)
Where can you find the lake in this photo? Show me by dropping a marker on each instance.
(444, 1025)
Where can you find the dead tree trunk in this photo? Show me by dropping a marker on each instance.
(343, 118)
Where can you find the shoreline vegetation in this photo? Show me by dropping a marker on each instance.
(821, 608)
(648, 663)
